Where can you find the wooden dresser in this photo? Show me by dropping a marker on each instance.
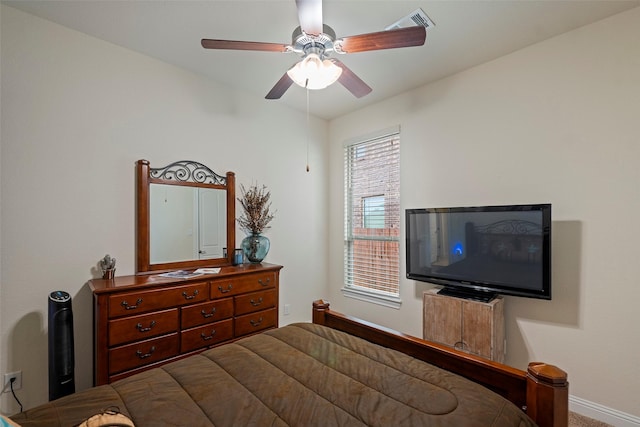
(144, 321)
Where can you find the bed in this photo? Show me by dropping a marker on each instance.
(335, 371)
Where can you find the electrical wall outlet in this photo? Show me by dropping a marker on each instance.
(287, 309)
(17, 384)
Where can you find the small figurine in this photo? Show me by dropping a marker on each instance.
(108, 266)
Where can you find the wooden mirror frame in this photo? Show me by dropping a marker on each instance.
(179, 173)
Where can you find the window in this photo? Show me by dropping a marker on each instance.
(373, 212)
(372, 219)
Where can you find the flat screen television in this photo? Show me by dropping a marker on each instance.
(479, 252)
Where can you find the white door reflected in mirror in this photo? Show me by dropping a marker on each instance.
(186, 223)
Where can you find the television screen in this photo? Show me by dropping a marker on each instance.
(477, 252)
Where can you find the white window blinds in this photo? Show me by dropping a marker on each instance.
(372, 215)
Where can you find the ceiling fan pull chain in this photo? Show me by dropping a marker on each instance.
(307, 129)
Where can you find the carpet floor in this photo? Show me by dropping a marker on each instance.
(577, 420)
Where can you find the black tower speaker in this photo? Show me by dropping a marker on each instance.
(61, 358)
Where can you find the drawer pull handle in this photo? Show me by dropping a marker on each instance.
(256, 322)
(195, 293)
(143, 329)
(145, 355)
(256, 303)
(208, 337)
(224, 291)
(265, 282)
(126, 305)
(207, 315)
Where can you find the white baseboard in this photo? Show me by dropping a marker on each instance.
(602, 413)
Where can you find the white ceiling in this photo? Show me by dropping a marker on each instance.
(466, 33)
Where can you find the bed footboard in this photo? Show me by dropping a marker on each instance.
(542, 391)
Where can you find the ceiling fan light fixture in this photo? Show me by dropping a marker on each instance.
(314, 73)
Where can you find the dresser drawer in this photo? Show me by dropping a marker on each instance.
(128, 303)
(255, 301)
(254, 322)
(143, 326)
(142, 353)
(207, 312)
(204, 336)
(246, 283)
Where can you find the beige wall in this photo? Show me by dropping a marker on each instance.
(76, 115)
(555, 122)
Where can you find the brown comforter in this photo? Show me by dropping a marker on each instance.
(298, 375)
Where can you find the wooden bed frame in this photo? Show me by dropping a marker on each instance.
(542, 391)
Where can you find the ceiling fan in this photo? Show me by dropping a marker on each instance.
(314, 41)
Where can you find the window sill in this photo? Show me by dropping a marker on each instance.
(372, 297)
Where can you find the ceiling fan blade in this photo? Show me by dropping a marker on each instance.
(310, 16)
(280, 88)
(390, 39)
(240, 45)
(353, 83)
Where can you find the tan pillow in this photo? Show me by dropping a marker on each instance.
(111, 417)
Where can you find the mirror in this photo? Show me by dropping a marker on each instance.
(185, 216)
(186, 223)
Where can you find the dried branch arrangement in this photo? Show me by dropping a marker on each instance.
(256, 205)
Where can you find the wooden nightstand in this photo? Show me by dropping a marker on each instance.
(471, 326)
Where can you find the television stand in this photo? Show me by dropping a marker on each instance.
(467, 294)
(471, 326)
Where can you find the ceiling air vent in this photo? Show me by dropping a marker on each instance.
(417, 17)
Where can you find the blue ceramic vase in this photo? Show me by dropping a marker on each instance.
(255, 247)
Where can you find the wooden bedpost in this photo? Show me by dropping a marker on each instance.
(319, 307)
(547, 395)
